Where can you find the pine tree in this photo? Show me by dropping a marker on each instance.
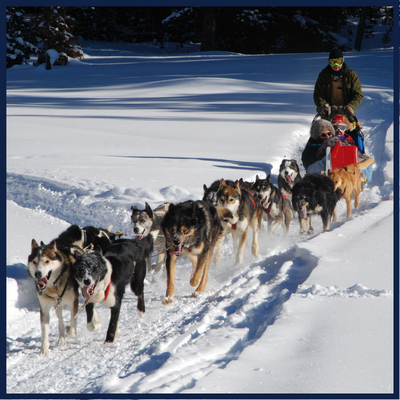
(53, 28)
(18, 49)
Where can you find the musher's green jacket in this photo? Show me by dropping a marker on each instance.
(351, 86)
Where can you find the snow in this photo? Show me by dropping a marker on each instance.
(131, 124)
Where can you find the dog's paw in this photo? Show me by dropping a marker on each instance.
(310, 232)
(70, 331)
(44, 351)
(167, 300)
(141, 313)
(93, 326)
(62, 341)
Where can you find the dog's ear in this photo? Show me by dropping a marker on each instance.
(257, 178)
(34, 245)
(134, 208)
(269, 178)
(109, 227)
(345, 168)
(76, 253)
(223, 183)
(42, 243)
(149, 210)
(237, 184)
(205, 188)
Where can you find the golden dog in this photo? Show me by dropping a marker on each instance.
(348, 179)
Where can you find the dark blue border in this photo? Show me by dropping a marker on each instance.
(395, 395)
(396, 138)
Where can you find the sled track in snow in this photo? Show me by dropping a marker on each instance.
(74, 205)
(241, 310)
(153, 355)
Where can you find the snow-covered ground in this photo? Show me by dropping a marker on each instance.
(130, 125)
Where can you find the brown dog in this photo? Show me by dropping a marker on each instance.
(348, 179)
(192, 229)
(247, 212)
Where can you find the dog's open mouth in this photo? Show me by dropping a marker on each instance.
(42, 283)
(289, 179)
(87, 291)
(139, 237)
(177, 250)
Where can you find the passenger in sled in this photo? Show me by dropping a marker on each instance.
(324, 134)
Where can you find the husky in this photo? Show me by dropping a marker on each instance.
(51, 268)
(148, 221)
(289, 174)
(246, 210)
(276, 209)
(103, 275)
(192, 229)
(210, 193)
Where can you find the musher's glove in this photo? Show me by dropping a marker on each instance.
(349, 111)
(323, 110)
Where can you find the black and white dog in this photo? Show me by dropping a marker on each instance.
(148, 222)
(51, 267)
(289, 174)
(103, 275)
(88, 236)
(276, 209)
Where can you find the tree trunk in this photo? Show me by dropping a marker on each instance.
(360, 30)
(208, 33)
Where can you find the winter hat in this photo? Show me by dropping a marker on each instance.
(336, 53)
(338, 123)
(319, 126)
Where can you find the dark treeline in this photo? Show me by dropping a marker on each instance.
(249, 30)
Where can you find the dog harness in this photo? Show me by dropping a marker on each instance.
(251, 199)
(59, 300)
(268, 209)
(107, 291)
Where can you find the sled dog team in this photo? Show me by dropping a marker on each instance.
(101, 264)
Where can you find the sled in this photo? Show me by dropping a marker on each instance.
(339, 156)
(343, 155)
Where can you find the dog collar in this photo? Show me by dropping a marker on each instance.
(84, 238)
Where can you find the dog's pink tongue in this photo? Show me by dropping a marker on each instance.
(86, 293)
(42, 282)
(289, 178)
(138, 237)
(304, 212)
(177, 250)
